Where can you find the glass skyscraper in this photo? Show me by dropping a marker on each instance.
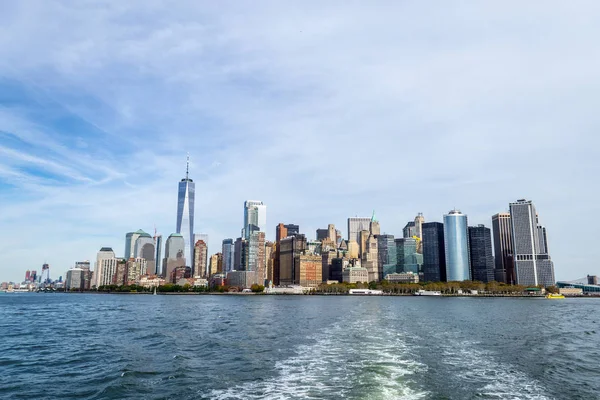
(255, 218)
(228, 252)
(409, 260)
(434, 257)
(185, 214)
(456, 237)
(386, 249)
(480, 247)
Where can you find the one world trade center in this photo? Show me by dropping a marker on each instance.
(185, 214)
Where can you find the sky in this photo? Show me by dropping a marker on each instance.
(322, 110)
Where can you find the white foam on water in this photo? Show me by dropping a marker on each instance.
(497, 380)
(344, 362)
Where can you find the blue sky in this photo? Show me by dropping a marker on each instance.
(322, 111)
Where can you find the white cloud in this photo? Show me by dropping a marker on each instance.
(323, 111)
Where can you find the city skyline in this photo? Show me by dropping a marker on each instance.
(277, 106)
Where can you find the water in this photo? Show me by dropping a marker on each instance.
(86, 346)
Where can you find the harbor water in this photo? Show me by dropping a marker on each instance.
(94, 346)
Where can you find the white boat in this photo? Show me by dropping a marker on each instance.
(368, 292)
(428, 293)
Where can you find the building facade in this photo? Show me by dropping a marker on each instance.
(185, 213)
(174, 254)
(407, 256)
(503, 249)
(388, 257)
(480, 247)
(533, 265)
(105, 268)
(355, 225)
(227, 249)
(434, 252)
(456, 240)
(200, 259)
(255, 218)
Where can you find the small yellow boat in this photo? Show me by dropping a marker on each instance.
(554, 296)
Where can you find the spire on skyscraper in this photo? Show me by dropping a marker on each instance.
(187, 166)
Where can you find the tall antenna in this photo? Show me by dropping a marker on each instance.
(187, 167)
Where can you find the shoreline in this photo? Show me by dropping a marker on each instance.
(490, 295)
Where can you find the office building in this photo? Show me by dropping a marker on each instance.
(322, 234)
(403, 277)
(144, 248)
(480, 247)
(158, 243)
(533, 265)
(240, 254)
(185, 213)
(407, 256)
(355, 275)
(105, 267)
(308, 270)
(200, 259)
(434, 253)
(74, 280)
(355, 225)
(255, 218)
(290, 248)
(130, 240)
(256, 256)
(419, 221)
(409, 230)
(215, 264)
(174, 254)
(386, 248)
(456, 239)
(227, 249)
(504, 269)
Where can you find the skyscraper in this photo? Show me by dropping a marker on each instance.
(174, 254)
(434, 256)
(480, 247)
(255, 218)
(407, 256)
(503, 248)
(456, 239)
(200, 259)
(386, 249)
(105, 268)
(409, 230)
(158, 258)
(533, 265)
(185, 213)
(144, 248)
(419, 221)
(227, 251)
(355, 225)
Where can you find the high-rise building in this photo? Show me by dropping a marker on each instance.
(370, 255)
(128, 243)
(355, 225)
(158, 247)
(533, 265)
(200, 259)
(255, 218)
(292, 229)
(291, 247)
(456, 239)
(480, 247)
(386, 249)
(214, 264)
(144, 248)
(87, 274)
(322, 234)
(185, 213)
(201, 236)
(503, 248)
(174, 254)
(331, 234)
(130, 239)
(419, 221)
(74, 280)
(105, 268)
(280, 232)
(409, 230)
(308, 270)
(240, 251)
(228, 251)
(408, 257)
(256, 256)
(434, 256)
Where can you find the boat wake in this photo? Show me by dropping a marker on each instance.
(345, 361)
